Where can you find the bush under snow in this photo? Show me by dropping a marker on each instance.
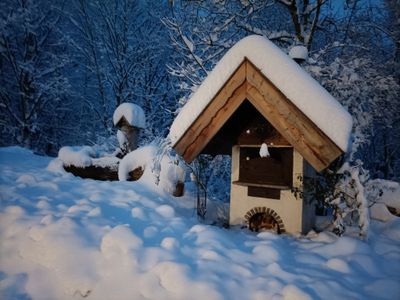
(139, 158)
(170, 174)
(381, 195)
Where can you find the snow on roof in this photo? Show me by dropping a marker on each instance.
(133, 114)
(295, 83)
(298, 52)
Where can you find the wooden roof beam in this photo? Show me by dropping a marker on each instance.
(217, 120)
(317, 148)
(247, 82)
(212, 115)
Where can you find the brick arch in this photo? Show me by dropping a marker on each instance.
(267, 211)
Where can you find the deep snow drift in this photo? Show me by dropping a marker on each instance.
(64, 237)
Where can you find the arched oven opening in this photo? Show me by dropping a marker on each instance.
(262, 219)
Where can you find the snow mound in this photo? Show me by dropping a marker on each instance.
(166, 211)
(174, 278)
(380, 212)
(138, 213)
(338, 265)
(26, 179)
(56, 166)
(170, 243)
(76, 156)
(381, 195)
(295, 83)
(95, 212)
(380, 288)
(292, 292)
(170, 174)
(391, 196)
(120, 240)
(139, 158)
(132, 113)
(344, 246)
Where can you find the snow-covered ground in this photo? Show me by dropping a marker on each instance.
(64, 237)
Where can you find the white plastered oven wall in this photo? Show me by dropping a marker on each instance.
(289, 208)
(308, 215)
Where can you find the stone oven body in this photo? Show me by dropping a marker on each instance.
(263, 189)
(276, 193)
(250, 110)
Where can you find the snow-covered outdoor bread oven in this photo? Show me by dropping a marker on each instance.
(279, 125)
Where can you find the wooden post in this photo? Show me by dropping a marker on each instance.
(132, 136)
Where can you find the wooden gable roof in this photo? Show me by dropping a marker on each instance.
(248, 83)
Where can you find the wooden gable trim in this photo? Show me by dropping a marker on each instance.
(247, 82)
(315, 146)
(217, 120)
(213, 117)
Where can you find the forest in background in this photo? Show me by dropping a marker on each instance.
(66, 65)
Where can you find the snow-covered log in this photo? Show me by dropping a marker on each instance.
(82, 162)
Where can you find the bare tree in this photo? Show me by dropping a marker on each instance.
(33, 88)
(124, 50)
(202, 31)
(305, 16)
